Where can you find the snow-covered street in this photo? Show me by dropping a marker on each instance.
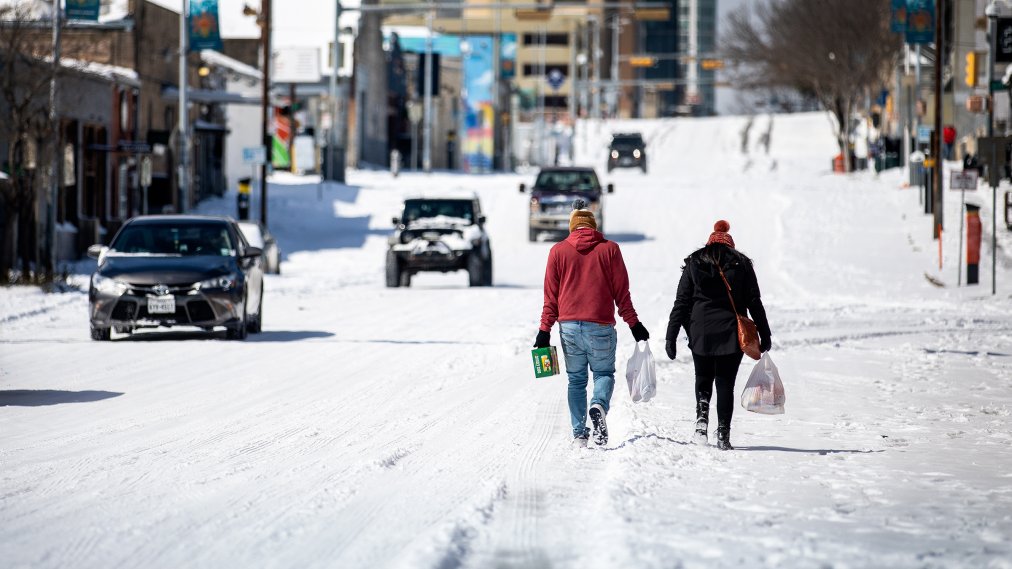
(374, 427)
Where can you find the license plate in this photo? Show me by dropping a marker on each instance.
(162, 305)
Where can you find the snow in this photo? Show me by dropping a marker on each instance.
(375, 427)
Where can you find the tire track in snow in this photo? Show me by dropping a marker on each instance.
(513, 537)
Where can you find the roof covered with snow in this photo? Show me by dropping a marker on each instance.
(219, 59)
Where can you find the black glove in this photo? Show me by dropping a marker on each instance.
(669, 348)
(639, 332)
(543, 340)
(765, 344)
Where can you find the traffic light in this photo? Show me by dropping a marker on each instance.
(971, 69)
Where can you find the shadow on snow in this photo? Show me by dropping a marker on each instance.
(43, 397)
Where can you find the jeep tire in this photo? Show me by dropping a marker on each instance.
(393, 270)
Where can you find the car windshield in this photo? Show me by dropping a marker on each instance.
(568, 180)
(178, 239)
(420, 209)
(252, 233)
(627, 140)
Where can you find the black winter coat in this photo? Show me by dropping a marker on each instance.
(702, 306)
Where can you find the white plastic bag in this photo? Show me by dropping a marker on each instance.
(764, 392)
(640, 374)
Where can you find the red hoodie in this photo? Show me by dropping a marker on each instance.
(584, 280)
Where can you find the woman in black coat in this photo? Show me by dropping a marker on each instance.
(703, 308)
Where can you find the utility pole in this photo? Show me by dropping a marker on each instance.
(54, 124)
(184, 115)
(268, 143)
(937, 195)
(427, 86)
(615, 30)
(335, 153)
(596, 79)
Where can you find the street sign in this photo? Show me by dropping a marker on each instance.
(556, 79)
(1003, 45)
(965, 180)
(923, 134)
(992, 151)
(145, 171)
(254, 155)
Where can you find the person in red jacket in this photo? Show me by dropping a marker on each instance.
(585, 280)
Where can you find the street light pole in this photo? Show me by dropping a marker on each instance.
(54, 124)
(184, 115)
(992, 42)
(936, 191)
(615, 31)
(335, 154)
(265, 116)
(427, 86)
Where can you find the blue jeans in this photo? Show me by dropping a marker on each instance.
(588, 344)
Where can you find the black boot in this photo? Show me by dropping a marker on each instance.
(724, 438)
(702, 420)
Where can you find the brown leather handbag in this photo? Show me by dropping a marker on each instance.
(748, 335)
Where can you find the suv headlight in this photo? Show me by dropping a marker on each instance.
(614, 153)
(535, 205)
(107, 285)
(636, 153)
(224, 283)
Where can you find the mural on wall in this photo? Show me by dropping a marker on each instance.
(479, 123)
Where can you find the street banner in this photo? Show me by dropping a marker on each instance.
(203, 24)
(920, 21)
(280, 158)
(479, 123)
(1003, 45)
(898, 19)
(83, 9)
(508, 56)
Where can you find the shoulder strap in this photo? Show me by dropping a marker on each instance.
(726, 284)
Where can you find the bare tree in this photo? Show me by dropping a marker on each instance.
(834, 50)
(25, 126)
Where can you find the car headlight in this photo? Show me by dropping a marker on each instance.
(594, 206)
(614, 153)
(107, 285)
(224, 283)
(636, 153)
(535, 206)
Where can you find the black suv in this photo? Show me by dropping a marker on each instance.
(627, 150)
(552, 198)
(439, 234)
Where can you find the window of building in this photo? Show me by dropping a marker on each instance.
(548, 39)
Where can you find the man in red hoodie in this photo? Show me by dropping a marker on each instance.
(584, 281)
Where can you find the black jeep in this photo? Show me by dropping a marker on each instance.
(627, 150)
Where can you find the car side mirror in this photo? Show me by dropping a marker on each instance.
(611, 188)
(481, 220)
(523, 188)
(95, 251)
(396, 221)
(252, 252)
